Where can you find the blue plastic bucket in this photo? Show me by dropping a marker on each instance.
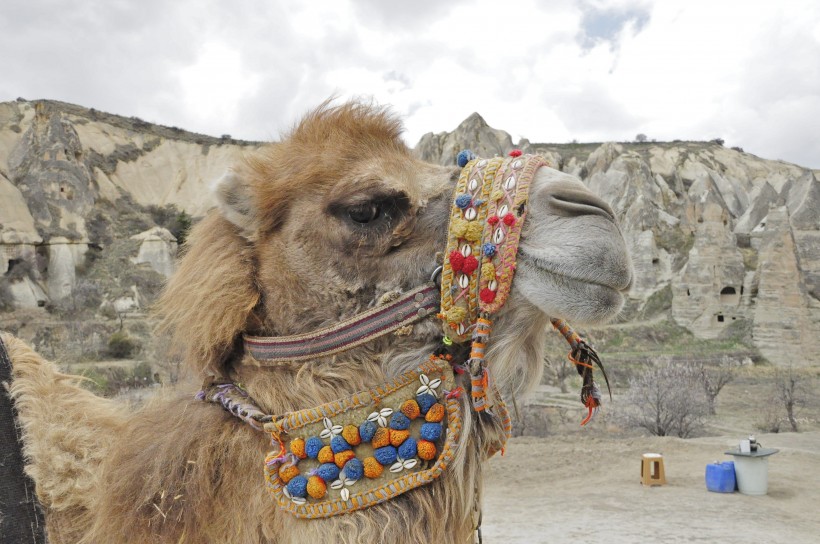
(720, 477)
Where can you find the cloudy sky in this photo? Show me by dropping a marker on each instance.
(551, 71)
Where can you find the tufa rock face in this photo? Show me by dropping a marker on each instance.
(158, 249)
(473, 133)
(73, 178)
(736, 238)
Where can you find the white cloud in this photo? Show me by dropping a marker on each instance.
(549, 71)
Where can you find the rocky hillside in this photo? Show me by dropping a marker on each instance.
(88, 202)
(725, 243)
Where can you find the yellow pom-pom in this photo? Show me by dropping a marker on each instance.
(288, 472)
(411, 409)
(316, 487)
(488, 271)
(458, 227)
(435, 413)
(397, 437)
(372, 468)
(351, 434)
(325, 455)
(297, 447)
(343, 457)
(473, 231)
(381, 438)
(426, 450)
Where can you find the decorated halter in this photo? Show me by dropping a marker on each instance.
(373, 445)
(485, 227)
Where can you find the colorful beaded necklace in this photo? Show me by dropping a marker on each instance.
(376, 444)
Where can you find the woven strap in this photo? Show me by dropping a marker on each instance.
(359, 329)
(488, 212)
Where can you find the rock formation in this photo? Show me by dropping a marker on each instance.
(73, 179)
(721, 240)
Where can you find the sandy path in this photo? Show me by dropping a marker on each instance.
(585, 489)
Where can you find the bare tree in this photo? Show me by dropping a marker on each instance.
(561, 369)
(714, 378)
(791, 392)
(667, 400)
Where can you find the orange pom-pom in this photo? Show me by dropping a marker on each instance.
(343, 457)
(372, 468)
(427, 450)
(316, 487)
(297, 448)
(288, 472)
(397, 437)
(410, 408)
(351, 434)
(381, 438)
(325, 455)
(435, 413)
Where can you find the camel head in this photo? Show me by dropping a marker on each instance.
(339, 214)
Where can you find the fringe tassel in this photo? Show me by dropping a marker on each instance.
(477, 365)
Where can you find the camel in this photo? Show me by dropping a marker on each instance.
(337, 218)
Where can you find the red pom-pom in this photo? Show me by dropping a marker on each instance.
(515, 153)
(509, 220)
(492, 220)
(487, 295)
(470, 264)
(456, 261)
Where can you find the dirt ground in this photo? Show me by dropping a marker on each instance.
(586, 488)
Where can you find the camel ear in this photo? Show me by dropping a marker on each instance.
(235, 199)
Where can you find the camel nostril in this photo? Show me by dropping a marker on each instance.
(574, 202)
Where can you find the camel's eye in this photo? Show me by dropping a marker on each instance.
(365, 213)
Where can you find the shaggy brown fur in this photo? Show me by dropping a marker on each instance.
(282, 255)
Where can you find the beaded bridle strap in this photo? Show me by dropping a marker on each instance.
(488, 212)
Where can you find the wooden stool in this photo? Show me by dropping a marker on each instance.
(652, 469)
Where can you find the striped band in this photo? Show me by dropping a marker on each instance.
(405, 310)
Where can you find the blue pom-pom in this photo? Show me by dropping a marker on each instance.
(488, 249)
(464, 157)
(425, 402)
(328, 471)
(408, 449)
(297, 487)
(399, 421)
(430, 431)
(312, 446)
(367, 430)
(354, 469)
(385, 455)
(338, 443)
(463, 201)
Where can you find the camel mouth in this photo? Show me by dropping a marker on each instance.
(618, 279)
(579, 297)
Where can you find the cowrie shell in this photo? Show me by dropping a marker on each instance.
(493, 285)
(470, 214)
(473, 184)
(510, 183)
(503, 210)
(463, 281)
(466, 250)
(498, 235)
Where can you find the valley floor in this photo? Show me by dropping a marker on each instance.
(586, 488)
